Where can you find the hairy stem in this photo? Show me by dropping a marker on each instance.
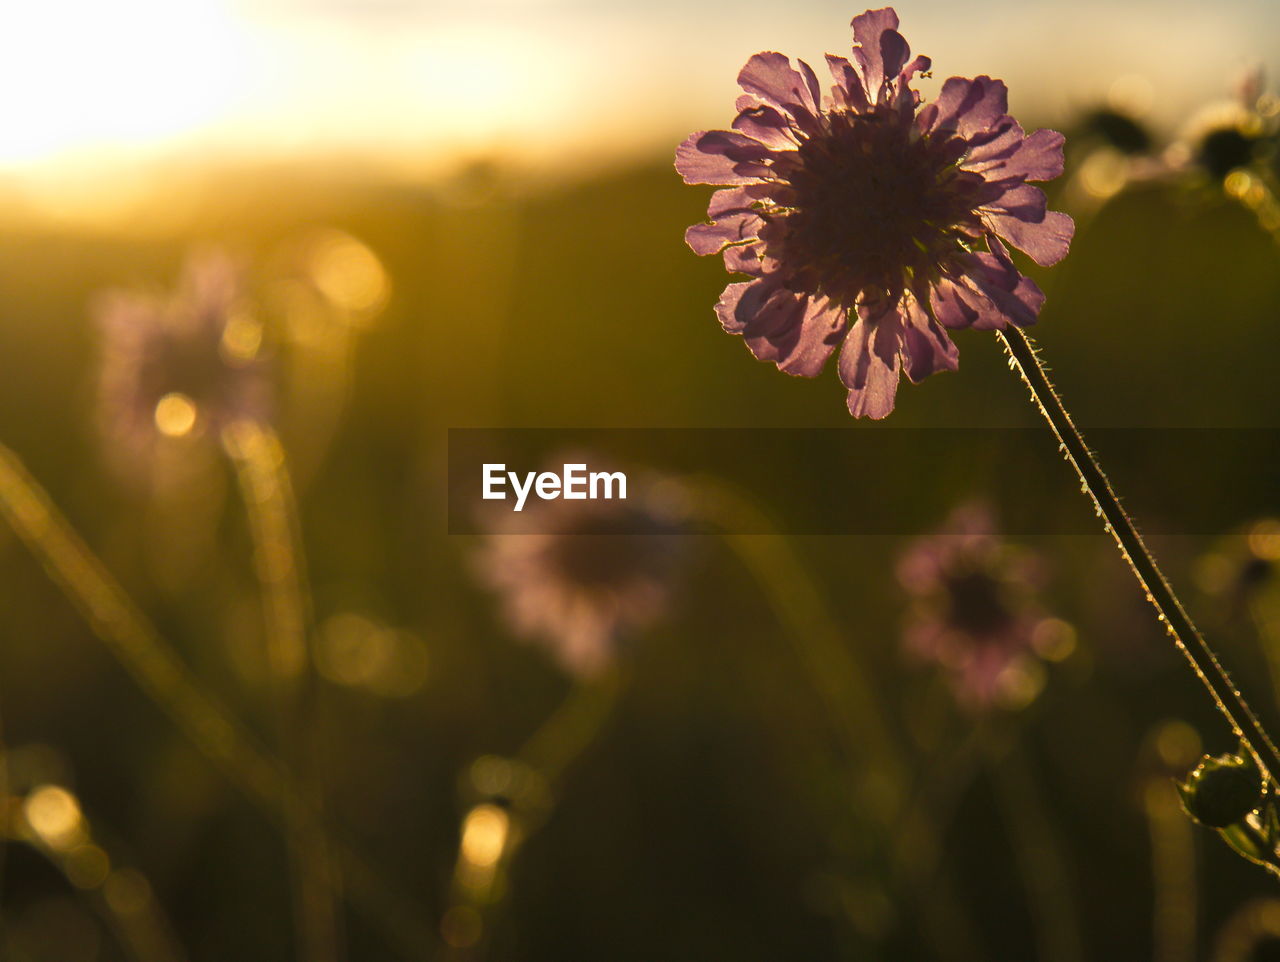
(1204, 661)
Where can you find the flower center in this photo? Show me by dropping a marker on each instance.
(611, 551)
(977, 605)
(872, 205)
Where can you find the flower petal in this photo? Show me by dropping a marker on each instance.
(1038, 158)
(848, 91)
(1019, 307)
(771, 77)
(920, 65)
(926, 348)
(721, 157)
(968, 107)
(776, 319)
(731, 200)
(1046, 242)
(744, 259)
(741, 301)
(870, 361)
(1024, 202)
(988, 293)
(767, 125)
(950, 305)
(803, 346)
(990, 157)
(879, 49)
(994, 288)
(729, 229)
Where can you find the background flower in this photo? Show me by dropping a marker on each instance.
(583, 577)
(181, 364)
(975, 610)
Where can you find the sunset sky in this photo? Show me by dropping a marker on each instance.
(109, 83)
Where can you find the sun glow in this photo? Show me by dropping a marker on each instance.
(83, 76)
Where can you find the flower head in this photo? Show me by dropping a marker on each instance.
(858, 214)
(974, 611)
(580, 577)
(182, 364)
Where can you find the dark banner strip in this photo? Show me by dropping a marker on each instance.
(879, 481)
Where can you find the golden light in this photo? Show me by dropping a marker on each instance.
(357, 651)
(1020, 683)
(175, 415)
(86, 75)
(484, 836)
(1054, 639)
(241, 338)
(348, 273)
(492, 775)
(461, 927)
(352, 649)
(54, 815)
(1264, 540)
(1177, 745)
(127, 892)
(86, 866)
(1104, 173)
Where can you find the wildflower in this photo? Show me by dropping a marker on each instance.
(1117, 129)
(974, 611)
(857, 216)
(179, 365)
(1231, 135)
(581, 577)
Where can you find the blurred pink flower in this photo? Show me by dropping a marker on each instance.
(974, 607)
(582, 577)
(177, 364)
(857, 215)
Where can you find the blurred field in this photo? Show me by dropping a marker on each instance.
(719, 814)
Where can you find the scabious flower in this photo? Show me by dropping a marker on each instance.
(582, 577)
(182, 364)
(1231, 135)
(975, 611)
(858, 216)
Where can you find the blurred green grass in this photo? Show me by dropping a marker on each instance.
(710, 820)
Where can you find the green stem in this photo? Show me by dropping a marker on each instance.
(549, 752)
(1204, 661)
(157, 668)
(852, 700)
(573, 727)
(1173, 872)
(268, 498)
(1045, 874)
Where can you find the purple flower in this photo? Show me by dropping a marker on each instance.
(182, 364)
(975, 611)
(858, 215)
(581, 577)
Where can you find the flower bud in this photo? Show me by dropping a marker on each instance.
(1223, 790)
